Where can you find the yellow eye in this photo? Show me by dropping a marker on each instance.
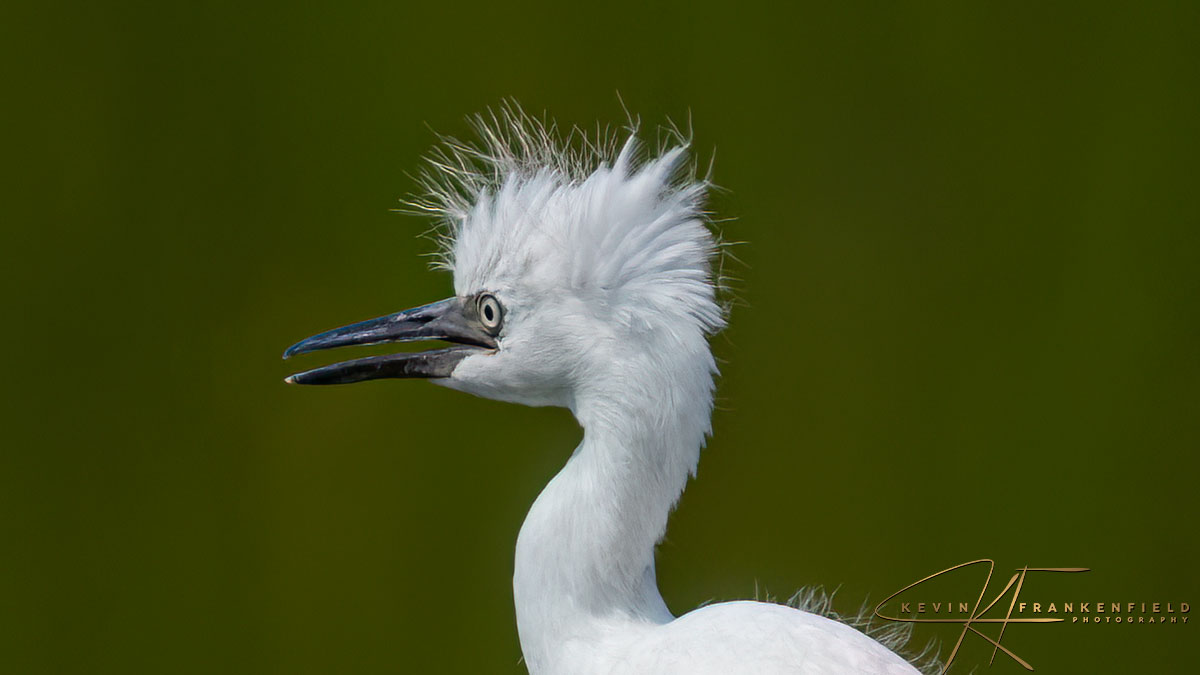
(491, 314)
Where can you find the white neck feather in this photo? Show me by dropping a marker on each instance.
(585, 554)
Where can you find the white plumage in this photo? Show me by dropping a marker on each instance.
(605, 267)
(602, 263)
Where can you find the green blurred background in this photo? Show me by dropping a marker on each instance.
(969, 328)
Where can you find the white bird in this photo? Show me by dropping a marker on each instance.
(583, 279)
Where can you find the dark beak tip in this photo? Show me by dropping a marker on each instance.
(443, 320)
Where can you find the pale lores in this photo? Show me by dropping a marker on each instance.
(583, 278)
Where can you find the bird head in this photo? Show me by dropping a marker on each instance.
(575, 264)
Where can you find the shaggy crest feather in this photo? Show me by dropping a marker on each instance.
(525, 206)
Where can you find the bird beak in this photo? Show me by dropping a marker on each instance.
(452, 320)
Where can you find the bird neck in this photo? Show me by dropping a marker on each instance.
(585, 554)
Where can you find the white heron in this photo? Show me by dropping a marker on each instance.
(583, 279)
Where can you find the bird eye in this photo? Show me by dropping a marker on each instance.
(491, 314)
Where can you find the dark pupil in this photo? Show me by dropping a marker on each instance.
(487, 312)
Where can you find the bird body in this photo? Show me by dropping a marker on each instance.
(731, 638)
(587, 598)
(583, 279)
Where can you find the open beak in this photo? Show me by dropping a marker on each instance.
(453, 320)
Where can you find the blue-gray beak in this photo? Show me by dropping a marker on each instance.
(453, 320)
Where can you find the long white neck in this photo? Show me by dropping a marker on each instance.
(585, 555)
